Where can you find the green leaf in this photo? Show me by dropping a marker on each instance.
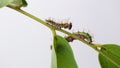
(62, 54)
(111, 57)
(19, 3)
(24, 3)
(54, 59)
(5, 2)
(16, 3)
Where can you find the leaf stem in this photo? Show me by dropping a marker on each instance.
(50, 26)
(94, 46)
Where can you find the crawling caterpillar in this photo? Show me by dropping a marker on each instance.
(83, 35)
(59, 25)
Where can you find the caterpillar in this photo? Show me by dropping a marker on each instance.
(83, 35)
(59, 25)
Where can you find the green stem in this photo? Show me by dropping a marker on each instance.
(51, 27)
(53, 32)
(94, 46)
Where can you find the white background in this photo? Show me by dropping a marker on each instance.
(24, 43)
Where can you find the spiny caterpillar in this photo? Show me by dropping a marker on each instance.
(59, 25)
(83, 35)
